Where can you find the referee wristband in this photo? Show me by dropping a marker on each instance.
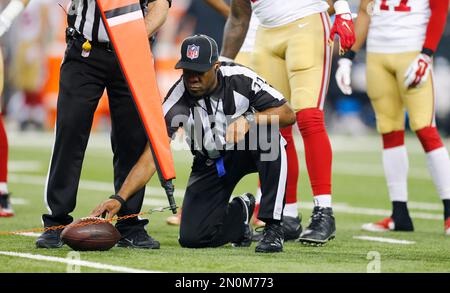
(118, 198)
(350, 54)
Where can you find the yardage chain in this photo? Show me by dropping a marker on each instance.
(93, 222)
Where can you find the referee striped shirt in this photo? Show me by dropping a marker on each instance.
(240, 90)
(85, 17)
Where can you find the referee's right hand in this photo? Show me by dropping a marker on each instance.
(110, 206)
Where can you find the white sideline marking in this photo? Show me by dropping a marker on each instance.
(18, 201)
(82, 263)
(24, 166)
(383, 239)
(155, 202)
(29, 234)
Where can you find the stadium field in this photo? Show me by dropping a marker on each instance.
(360, 196)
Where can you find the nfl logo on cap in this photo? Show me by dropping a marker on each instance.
(192, 51)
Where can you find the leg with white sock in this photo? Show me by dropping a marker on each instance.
(395, 165)
(438, 162)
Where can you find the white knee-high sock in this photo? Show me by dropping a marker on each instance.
(396, 164)
(438, 162)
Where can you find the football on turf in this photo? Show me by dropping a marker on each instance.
(90, 234)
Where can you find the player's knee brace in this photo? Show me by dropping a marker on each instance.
(393, 139)
(310, 121)
(429, 138)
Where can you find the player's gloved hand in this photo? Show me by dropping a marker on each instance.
(417, 73)
(343, 75)
(343, 26)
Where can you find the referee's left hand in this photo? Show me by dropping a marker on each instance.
(237, 130)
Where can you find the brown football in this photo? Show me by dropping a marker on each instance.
(90, 234)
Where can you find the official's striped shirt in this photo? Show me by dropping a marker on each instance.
(239, 90)
(85, 17)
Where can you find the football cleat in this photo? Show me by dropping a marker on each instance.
(248, 203)
(321, 229)
(139, 239)
(272, 240)
(447, 226)
(174, 220)
(6, 209)
(50, 239)
(384, 225)
(388, 224)
(292, 229)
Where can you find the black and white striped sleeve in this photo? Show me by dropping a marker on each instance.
(260, 94)
(264, 96)
(175, 111)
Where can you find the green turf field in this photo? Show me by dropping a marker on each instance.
(360, 196)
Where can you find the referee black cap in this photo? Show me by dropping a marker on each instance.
(198, 53)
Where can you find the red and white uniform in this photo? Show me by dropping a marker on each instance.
(274, 13)
(406, 25)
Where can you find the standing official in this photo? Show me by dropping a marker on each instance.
(220, 105)
(88, 68)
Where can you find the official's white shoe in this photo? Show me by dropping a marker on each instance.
(384, 225)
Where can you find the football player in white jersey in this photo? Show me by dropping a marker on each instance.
(402, 36)
(292, 51)
(7, 16)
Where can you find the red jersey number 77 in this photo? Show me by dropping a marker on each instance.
(401, 7)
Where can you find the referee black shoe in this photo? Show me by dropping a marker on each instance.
(139, 239)
(292, 229)
(50, 239)
(248, 203)
(321, 229)
(273, 238)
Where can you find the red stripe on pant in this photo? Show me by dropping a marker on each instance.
(3, 153)
(318, 151)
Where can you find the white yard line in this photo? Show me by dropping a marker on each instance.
(29, 234)
(24, 166)
(384, 239)
(82, 263)
(18, 201)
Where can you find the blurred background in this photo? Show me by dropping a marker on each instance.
(33, 50)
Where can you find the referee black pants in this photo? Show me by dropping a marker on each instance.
(82, 83)
(208, 218)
